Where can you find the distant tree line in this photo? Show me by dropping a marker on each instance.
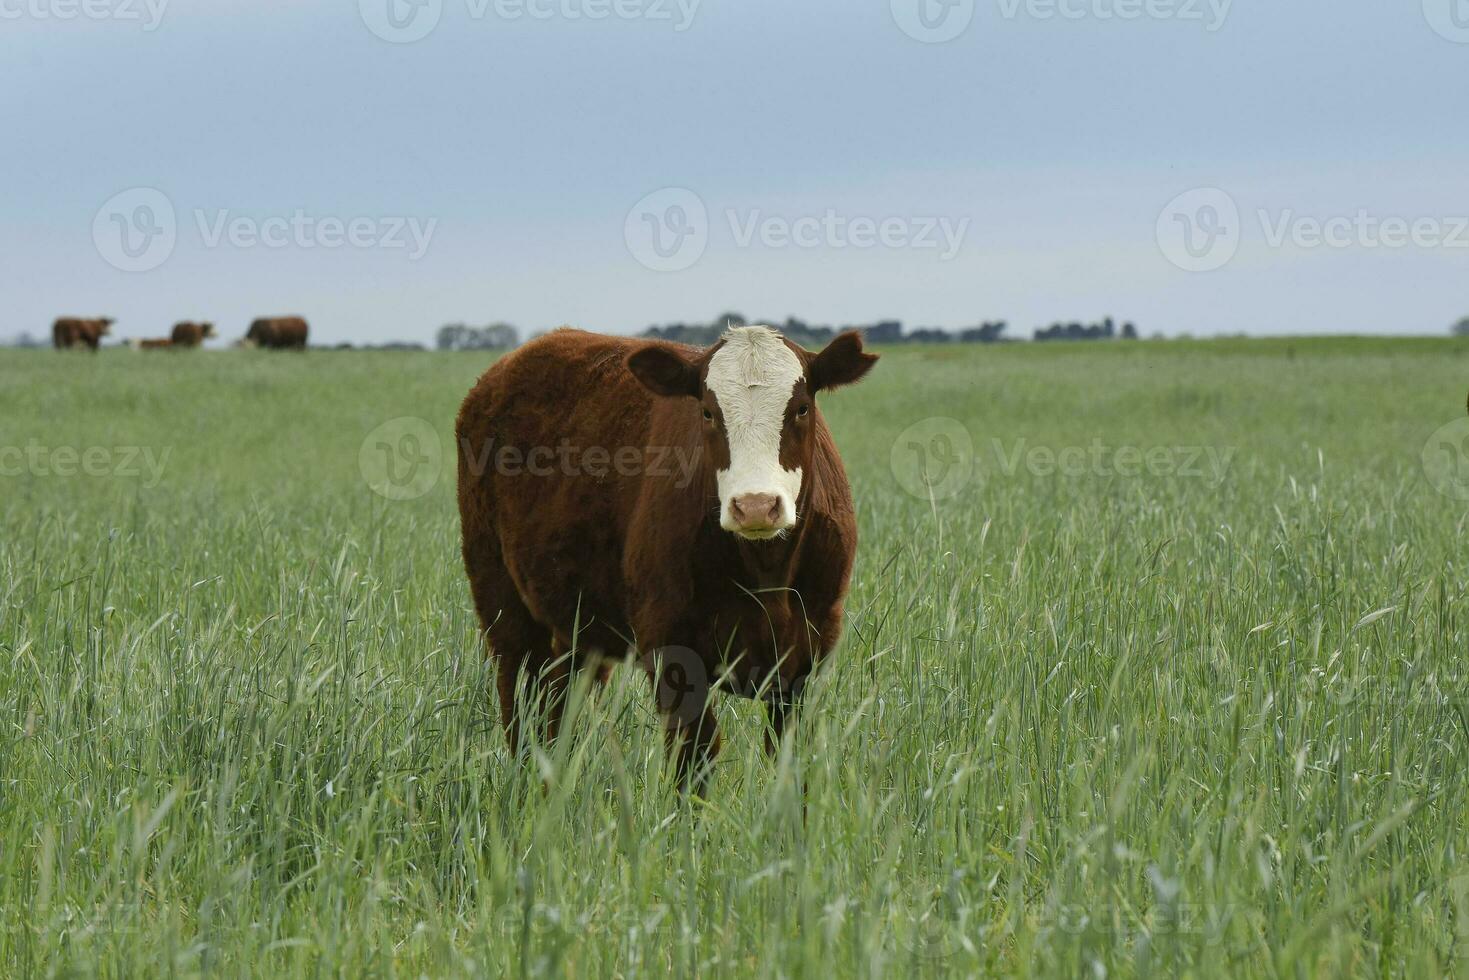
(1461, 329)
(888, 332)
(1106, 330)
(459, 336)
(813, 335)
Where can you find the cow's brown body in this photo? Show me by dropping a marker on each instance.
(152, 343)
(278, 333)
(190, 334)
(77, 332)
(571, 564)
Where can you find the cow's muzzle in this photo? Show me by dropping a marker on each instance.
(757, 515)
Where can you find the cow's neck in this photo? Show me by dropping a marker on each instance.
(772, 564)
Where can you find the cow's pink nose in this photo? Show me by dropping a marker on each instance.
(755, 511)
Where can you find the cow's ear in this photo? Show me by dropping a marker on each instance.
(664, 371)
(841, 362)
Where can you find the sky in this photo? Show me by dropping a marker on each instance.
(384, 167)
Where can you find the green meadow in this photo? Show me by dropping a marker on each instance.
(1155, 664)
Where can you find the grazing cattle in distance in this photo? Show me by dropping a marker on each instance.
(163, 343)
(277, 333)
(190, 334)
(686, 505)
(76, 332)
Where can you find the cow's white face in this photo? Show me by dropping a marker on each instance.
(752, 378)
(760, 424)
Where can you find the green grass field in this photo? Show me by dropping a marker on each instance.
(1173, 683)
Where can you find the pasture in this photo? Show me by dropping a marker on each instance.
(1171, 681)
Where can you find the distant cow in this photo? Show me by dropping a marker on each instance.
(687, 505)
(75, 332)
(189, 334)
(277, 333)
(151, 344)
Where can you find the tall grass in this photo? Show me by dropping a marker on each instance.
(1102, 723)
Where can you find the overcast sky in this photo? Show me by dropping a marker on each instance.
(386, 166)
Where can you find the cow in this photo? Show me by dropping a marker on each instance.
(685, 506)
(189, 334)
(277, 333)
(161, 343)
(69, 331)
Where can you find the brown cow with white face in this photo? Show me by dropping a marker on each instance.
(689, 505)
(190, 334)
(70, 331)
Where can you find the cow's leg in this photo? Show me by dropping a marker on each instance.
(780, 712)
(787, 684)
(681, 689)
(520, 646)
(522, 653)
(549, 682)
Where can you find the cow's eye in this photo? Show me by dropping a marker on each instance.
(708, 415)
(803, 410)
